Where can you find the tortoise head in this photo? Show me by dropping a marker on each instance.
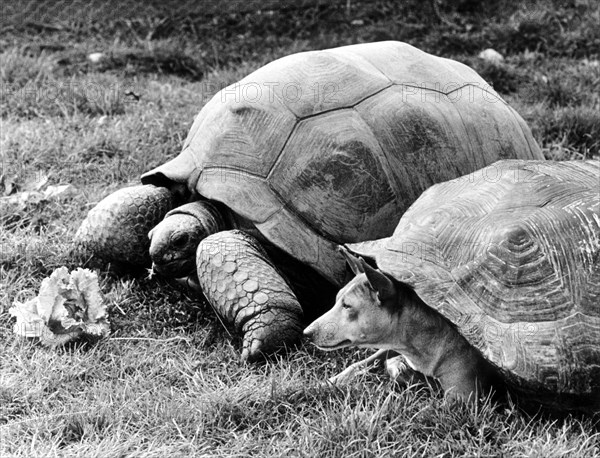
(174, 241)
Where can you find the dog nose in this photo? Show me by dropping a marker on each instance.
(308, 332)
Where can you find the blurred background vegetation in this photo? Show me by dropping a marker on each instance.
(550, 71)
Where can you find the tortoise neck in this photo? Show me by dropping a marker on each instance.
(215, 217)
(212, 216)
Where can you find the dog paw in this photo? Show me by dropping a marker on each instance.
(397, 369)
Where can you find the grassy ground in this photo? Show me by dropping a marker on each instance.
(168, 383)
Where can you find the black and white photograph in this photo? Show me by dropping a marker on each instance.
(313, 229)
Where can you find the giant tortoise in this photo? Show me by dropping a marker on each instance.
(509, 256)
(312, 150)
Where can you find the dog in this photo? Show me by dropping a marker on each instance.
(375, 311)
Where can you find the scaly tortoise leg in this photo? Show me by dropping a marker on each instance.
(244, 287)
(116, 229)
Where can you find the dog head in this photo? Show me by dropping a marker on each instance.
(363, 312)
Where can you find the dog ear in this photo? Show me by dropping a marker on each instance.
(379, 281)
(352, 261)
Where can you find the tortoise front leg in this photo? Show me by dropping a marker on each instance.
(245, 288)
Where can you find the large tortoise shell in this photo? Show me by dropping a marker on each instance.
(326, 147)
(510, 254)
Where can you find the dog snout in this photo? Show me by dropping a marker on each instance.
(309, 332)
(318, 331)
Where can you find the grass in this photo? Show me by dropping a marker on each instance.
(168, 382)
(183, 397)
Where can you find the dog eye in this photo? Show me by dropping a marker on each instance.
(345, 305)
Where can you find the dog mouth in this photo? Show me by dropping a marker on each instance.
(342, 344)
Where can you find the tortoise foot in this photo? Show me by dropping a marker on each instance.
(245, 288)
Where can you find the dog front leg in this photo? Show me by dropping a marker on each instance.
(400, 371)
(360, 367)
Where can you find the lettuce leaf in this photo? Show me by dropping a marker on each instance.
(67, 306)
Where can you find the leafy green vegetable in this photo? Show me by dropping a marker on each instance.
(66, 307)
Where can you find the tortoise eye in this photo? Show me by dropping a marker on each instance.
(180, 240)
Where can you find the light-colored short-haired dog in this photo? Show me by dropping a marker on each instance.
(375, 311)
